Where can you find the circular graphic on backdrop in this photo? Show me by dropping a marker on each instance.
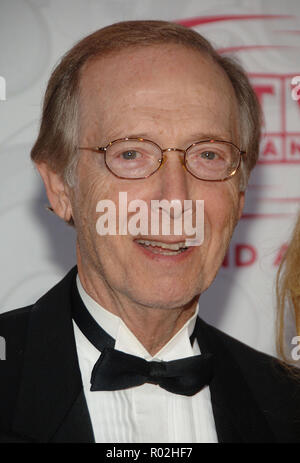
(24, 42)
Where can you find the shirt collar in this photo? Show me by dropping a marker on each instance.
(178, 346)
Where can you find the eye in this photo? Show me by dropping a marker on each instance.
(130, 155)
(210, 155)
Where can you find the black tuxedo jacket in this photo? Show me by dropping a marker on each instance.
(41, 392)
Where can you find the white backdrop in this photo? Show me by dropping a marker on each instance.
(37, 249)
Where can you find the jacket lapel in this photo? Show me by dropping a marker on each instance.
(237, 415)
(51, 404)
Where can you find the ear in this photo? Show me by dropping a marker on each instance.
(241, 203)
(57, 191)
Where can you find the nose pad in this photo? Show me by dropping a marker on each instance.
(182, 162)
(164, 160)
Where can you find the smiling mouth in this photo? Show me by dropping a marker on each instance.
(164, 249)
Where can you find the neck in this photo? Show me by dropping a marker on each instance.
(152, 326)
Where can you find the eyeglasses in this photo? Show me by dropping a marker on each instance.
(138, 158)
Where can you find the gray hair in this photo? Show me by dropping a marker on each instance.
(57, 140)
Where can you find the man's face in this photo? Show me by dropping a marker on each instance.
(175, 97)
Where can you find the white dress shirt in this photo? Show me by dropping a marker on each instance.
(145, 413)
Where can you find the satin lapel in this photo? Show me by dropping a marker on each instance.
(237, 415)
(51, 399)
(76, 427)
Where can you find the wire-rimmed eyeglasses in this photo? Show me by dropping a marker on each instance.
(139, 158)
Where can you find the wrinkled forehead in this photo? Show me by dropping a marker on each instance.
(168, 76)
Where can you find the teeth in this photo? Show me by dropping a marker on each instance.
(172, 246)
(168, 253)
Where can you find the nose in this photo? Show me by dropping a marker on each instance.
(174, 181)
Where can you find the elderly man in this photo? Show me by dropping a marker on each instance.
(116, 351)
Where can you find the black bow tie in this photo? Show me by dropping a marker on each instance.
(117, 370)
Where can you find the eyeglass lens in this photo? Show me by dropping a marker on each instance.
(135, 158)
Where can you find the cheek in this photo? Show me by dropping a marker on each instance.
(221, 216)
(92, 187)
(222, 213)
(89, 189)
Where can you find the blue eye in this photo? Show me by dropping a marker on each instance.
(210, 155)
(129, 155)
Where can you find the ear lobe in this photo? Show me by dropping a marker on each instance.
(57, 191)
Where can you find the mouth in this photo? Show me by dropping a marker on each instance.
(163, 248)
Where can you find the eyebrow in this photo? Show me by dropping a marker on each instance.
(193, 137)
(210, 136)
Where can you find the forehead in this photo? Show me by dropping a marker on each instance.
(170, 83)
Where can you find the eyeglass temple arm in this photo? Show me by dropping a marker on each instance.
(92, 148)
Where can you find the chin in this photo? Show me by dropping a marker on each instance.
(162, 297)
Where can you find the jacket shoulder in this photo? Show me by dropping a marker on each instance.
(247, 357)
(13, 326)
(13, 334)
(13, 329)
(255, 364)
(274, 385)
(11, 316)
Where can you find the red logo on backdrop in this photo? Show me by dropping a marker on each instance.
(281, 144)
(279, 95)
(245, 255)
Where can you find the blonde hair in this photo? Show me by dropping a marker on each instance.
(288, 289)
(57, 139)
